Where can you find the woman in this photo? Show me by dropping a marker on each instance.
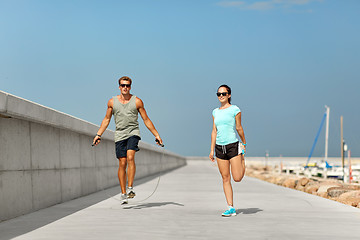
(228, 150)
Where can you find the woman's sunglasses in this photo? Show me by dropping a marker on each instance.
(125, 85)
(221, 94)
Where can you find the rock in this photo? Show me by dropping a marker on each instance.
(351, 198)
(332, 189)
(312, 189)
(256, 173)
(312, 182)
(335, 192)
(268, 177)
(325, 186)
(257, 168)
(260, 177)
(303, 181)
(323, 194)
(274, 179)
(280, 180)
(300, 188)
(289, 183)
(264, 177)
(352, 187)
(268, 168)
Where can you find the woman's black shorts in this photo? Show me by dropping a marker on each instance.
(226, 152)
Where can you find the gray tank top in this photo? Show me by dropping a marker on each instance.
(126, 119)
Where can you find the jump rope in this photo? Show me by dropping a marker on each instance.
(153, 192)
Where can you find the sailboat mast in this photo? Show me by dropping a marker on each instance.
(327, 132)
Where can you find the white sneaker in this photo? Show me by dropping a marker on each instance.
(131, 192)
(124, 198)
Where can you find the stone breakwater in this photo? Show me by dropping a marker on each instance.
(327, 188)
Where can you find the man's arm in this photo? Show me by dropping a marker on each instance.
(148, 123)
(105, 122)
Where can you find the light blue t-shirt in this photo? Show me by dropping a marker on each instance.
(224, 120)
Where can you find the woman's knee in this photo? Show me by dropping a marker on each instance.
(238, 178)
(226, 178)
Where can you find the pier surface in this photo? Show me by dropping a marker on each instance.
(188, 205)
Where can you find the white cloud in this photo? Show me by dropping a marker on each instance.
(265, 5)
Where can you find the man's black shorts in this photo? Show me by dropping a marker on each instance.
(130, 143)
(227, 152)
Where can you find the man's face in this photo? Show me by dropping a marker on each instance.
(125, 87)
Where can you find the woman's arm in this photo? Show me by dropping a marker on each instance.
(213, 140)
(240, 129)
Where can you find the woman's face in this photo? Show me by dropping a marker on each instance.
(222, 98)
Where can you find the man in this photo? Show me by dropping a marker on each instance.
(125, 108)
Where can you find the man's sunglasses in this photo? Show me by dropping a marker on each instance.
(125, 85)
(221, 94)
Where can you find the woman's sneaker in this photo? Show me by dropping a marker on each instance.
(131, 192)
(124, 198)
(230, 212)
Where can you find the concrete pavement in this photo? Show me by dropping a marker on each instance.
(188, 205)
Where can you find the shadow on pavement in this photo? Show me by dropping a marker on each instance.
(149, 205)
(248, 211)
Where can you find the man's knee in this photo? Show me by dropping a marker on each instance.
(130, 156)
(122, 162)
(130, 159)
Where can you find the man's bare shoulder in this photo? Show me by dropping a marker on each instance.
(139, 103)
(111, 102)
(138, 100)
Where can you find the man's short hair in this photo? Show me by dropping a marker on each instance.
(125, 78)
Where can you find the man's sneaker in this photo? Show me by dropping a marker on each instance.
(130, 192)
(230, 212)
(124, 198)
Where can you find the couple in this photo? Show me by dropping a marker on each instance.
(224, 143)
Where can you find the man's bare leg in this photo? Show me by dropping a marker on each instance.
(130, 156)
(122, 174)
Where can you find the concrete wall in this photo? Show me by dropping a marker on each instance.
(46, 158)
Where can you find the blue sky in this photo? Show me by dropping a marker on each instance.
(284, 59)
